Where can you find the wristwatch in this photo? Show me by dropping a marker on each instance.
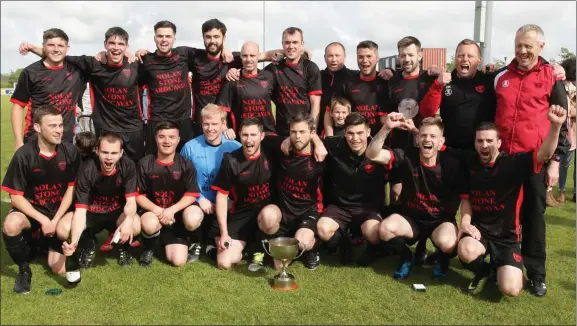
(556, 158)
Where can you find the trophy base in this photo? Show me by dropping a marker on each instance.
(284, 283)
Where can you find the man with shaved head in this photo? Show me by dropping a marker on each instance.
(250, 96)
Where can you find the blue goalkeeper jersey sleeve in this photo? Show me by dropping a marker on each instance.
(206, 159)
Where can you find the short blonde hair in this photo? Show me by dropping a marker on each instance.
(211, 110)
(433, 121)
(340, 101)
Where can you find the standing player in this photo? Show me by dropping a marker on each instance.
(40, 181)
(206, 153)
(299, 181)
(166, 190)
(116, 104)
(355, 187)
(432, 183)
(105, 199)
(164, 75)
(365, 90)
(250, 96)
(245, 174)
(50, 81)
(490, 220)
(298, 85)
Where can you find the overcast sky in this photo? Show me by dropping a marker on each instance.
(435, 23)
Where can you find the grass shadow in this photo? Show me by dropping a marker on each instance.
(567, 253)
(569, 285)
(556, 220)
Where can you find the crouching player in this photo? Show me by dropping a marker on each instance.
(299, 182)
(104, 199)
(40, 181)
(432, 184)
(167, 188)
(490, 216)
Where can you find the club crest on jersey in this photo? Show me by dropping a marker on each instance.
(369, 168)
(300, 72)
(448, 91)
(422, 85)
(118, 180)
(505, 84)
(175, 58)
(62, 165)
(126, 72)
(176, 174)
(480, 89)
(264, 84)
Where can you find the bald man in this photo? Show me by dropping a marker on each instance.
(250, 96)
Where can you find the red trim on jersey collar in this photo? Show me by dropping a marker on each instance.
(303, 154)
(110, 64)
(108, 175)
(250, 76)
(252, 158)
(165, 164)
(47, 156)
(169, 54)
(410, 77)
(53, 68)
(428, 166)
(212, 58)
(293, 64)
(367, 78)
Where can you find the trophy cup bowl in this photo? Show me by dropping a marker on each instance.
(283, 249)
(409, 108)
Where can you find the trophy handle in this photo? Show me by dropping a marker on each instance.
(302, 252)
(264, 247)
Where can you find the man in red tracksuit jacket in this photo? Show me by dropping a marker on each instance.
(524, 90)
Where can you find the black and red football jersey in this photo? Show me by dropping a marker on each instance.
(61, 87)
(100, 193)
(431, 194)
(166, 78)
(114, 93)
(400, 88)
(165, 184)
(368, 96)
(208, 77)
(352, 181)
(496, 194)
(42, 179)
(246, 181)
(294, 84)
(249, 97)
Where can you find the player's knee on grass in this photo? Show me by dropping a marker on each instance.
(510, 280)
(370, 230)
(445, 237)
(177, 254)
(57, 262)
(149, 223)
(63, 226)
(306, 237)
(192, 217)
(469, 249)
(326, 228)
(269, 219)
(14, 224)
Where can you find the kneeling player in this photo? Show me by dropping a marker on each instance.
(299, 182)
(167, 189)
(245, 173)
(356, 191)
(40, 181)
(105, 199)
(489, 217)
(429, 201)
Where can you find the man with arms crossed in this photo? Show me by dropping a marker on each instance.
(40, 181)
(50, 81)
(432, 182)
(116, 105)
(250, 96)
(525, 89)
(355, 188)
(490, 220)
(299, 181)
(166, 190)
(245, 174)
(206, 153)
(105, 199)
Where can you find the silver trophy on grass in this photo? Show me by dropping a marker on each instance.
(283, 249)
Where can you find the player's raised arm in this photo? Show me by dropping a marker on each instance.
(375, 151)
(557, 115)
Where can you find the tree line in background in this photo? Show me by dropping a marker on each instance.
(10, 78)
